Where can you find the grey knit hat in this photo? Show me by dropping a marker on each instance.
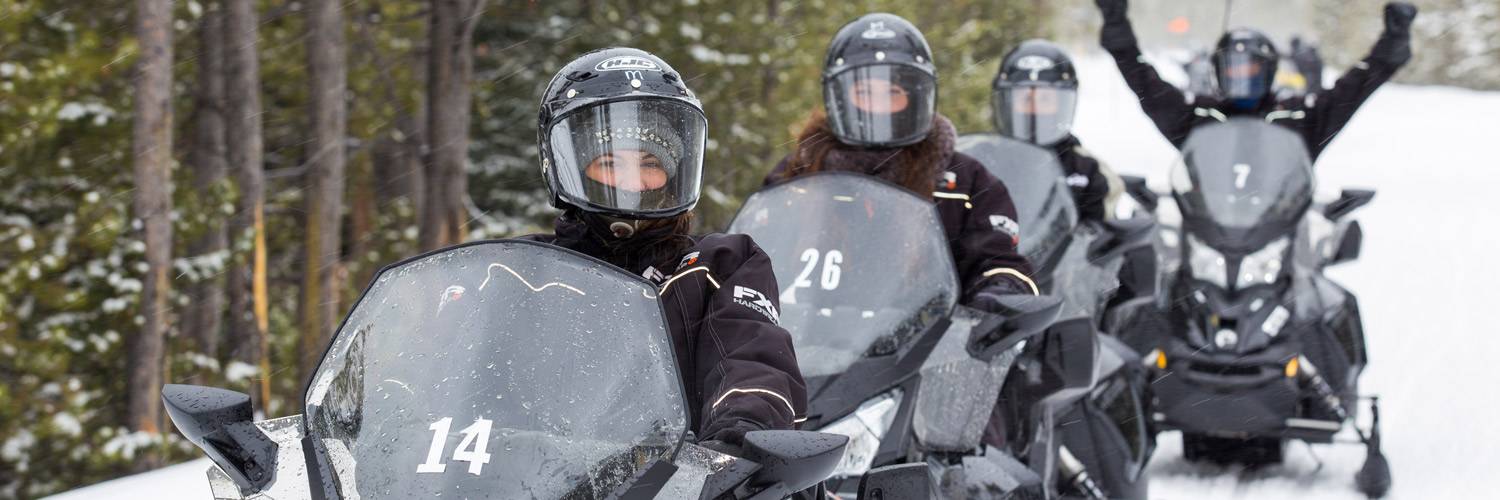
(652, 132)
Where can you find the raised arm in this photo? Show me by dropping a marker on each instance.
(1334, 109)
(1165, 104)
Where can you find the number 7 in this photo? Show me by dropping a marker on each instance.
(1241, 174)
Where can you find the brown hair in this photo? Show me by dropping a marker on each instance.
(914, 167)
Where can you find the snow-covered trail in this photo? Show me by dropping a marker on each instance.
(1426, 282)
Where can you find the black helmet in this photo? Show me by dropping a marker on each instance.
(879, 84)
(621, 136)
(1245, 65)
(1035, 94)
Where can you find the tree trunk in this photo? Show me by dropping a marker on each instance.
(202, 319)
(324, 195)
(151, 149)
(449, 71)
(247, 278)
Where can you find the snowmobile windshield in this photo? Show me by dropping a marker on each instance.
(1242, 175)
(863, 265)
(1034, 179)
(1040, 114)
(880, 105)
(637, 157)
(501, 369)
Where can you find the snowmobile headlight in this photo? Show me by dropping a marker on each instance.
(865, 428)
(1207, 264)
(1264, 265)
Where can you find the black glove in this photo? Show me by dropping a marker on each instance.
(989, 298)
(732, 450)
(1398, 17)
(1116, 36)
(1393, 49)
(1113, 10)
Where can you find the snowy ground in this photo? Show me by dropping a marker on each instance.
(1425, 279)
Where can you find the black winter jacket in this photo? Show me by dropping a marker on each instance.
(978, 218)
(1317, 116)
(737, 363)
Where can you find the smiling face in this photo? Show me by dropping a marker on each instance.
(629, 170)
(875, 95)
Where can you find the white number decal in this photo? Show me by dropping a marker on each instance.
(435, 452)
(1241, 173)
(477, 435)
(471, 448)
(831, 271)
(829, 280)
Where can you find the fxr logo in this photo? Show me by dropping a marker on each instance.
(757, 302)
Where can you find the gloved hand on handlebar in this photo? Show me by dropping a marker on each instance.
(990, 298)
(730, 449)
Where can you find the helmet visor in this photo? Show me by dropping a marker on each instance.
(1039, 114)
(641, 157)
(880, 105)
(1243, 75)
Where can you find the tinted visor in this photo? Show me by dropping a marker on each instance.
(642, 157)
(1039, 114)
(1243, 75)
(881, 105)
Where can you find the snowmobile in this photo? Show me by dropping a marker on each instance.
(1251, 345)
(869, 294)
(455, 375)
(1108, 432)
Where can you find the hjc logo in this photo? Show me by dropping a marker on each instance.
(877, 31)
(1034, 63)
(626, 63)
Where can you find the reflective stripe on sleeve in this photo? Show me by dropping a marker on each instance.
(1017, 274)
(679, 275)
(789, 410)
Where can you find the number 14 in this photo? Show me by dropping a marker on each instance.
(470, 448)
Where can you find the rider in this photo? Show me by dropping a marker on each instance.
(621, 140)
(880, 92)
(1245, 66)
(1034, 97)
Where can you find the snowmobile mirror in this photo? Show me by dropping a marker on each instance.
(1070, 355)
(1349, 244)
(1020, 317)
(896, 481)
(791, 461)
(220, 422)
(1348, 201)
(1136, 187)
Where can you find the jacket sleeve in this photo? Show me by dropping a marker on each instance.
(1334, 108)
(1167, 106)
(987, 253)
(745, 359)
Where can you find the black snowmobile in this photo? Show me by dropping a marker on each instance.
(869, 294)
(1109, 432)
(1252, 345)
(456, 375)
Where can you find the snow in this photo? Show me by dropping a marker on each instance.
(1425, 280)
(183, 481)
